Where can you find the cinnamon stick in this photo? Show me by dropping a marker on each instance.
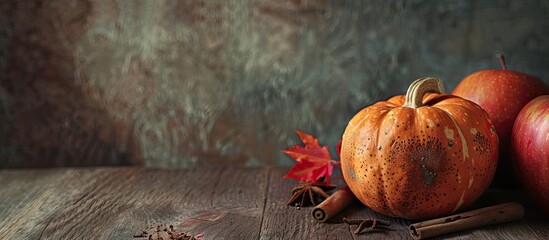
(334, 204)
(468, 220)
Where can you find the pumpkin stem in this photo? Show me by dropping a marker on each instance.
(414, 95)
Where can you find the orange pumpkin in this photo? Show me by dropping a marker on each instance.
(423, 155)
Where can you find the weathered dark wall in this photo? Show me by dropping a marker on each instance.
(205, 83)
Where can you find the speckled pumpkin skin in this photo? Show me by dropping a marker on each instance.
(419, 163)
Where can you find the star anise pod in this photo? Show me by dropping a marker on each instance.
(309, 194)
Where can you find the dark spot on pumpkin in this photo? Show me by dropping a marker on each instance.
(450, 143)
(429, 177)
(379, 147)
(484, 145)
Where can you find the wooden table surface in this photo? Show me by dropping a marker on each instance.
(117, 203)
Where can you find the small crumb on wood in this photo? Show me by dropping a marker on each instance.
(165, 232)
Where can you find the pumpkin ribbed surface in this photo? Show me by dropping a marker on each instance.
(422, 162)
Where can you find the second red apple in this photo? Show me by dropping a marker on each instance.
(530, 144)
(502, 93)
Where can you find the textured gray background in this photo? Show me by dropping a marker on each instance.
(216, 83)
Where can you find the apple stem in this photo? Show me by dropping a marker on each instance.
(501, 60)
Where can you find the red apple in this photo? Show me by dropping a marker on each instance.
(502, 93)
(530, 147)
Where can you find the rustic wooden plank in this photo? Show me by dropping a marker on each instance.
(115, 203)
(30, 198)
(99, 205)
(236, 203)
(21, 193)
(49, 213)
(221, 203)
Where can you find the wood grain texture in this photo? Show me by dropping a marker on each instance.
(115, 203)
(227, 203)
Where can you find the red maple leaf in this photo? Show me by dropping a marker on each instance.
(313, 161)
